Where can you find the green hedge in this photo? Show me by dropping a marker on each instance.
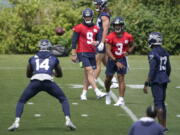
(28, 21)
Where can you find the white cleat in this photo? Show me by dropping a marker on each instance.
(70, 125)
(114, 85)
(83, 97)
(119, 103)
(100, 94)
(108, 99)
(14, 126)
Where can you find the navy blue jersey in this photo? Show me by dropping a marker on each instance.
(43, 63)
(99, 20)
(159, 65)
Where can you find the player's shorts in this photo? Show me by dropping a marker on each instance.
(88, 60)
(111, 67)
(159, 94)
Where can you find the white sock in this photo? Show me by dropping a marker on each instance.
(84, 92)
(96, 90)
(67, 118)
(121, 98)
(17, 120)
(114, 80)
(108, 93)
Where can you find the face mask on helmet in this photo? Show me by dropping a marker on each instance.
(155, 38)
(44, 44)
(100, 4)
(88, 16)
(118, 24)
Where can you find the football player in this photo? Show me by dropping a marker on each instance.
(119, 43)
(84, 41)
(147, 125)
(159, 72)
(40, 69)
(103, 22)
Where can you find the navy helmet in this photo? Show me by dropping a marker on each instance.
(155, 38)
(151, 111)
(101, 3)
(88, 13)
(118, 21)
(44, 44)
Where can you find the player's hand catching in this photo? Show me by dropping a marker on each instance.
(101, 46)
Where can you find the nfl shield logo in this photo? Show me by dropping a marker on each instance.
(95, 30)
(126, 41)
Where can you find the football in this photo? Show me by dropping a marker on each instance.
(60, 31)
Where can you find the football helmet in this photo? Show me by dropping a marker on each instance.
(118, 24)
(100, 4)
(151, 111)
(44, 44)
(88, 15)
(155, 38)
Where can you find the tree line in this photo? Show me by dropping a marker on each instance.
(24, 23)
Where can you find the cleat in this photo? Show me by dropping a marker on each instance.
(108, 99)
(14, 126)
(114, 85)
(120, 102)
(83, 97)
(100, 94)
(70, 125)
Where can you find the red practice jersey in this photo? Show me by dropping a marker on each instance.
(86, 36)
(119, 45)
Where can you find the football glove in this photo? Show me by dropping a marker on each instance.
(101, 46)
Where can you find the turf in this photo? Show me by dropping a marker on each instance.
(101, 119)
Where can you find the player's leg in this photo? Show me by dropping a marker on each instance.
(121, 80)
(90, 76)
(28, 93)
(159, 97)
(107, 84)
(54, 90)
(99, 59)
(122, 87)
(114, 82)
(110, 70)
(86, 83)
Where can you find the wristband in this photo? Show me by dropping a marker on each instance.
(146, 83)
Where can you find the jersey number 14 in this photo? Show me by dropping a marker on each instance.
(42, 65)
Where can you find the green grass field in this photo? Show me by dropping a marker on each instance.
(101, 120)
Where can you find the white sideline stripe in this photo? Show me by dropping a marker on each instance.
(124, 107)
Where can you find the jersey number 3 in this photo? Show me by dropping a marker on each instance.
(42, 65)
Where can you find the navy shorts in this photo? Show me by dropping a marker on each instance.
(159, 94)
(87, 60)
(111, 67)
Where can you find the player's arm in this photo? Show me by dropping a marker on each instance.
(132, 47)
(58, 71)
(168, 67)
(29, 71)
(105, 24)
(75, 38)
